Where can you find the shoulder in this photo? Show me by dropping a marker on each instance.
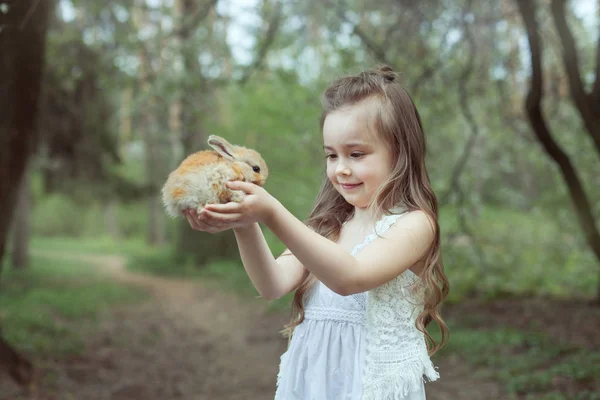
(407, 239)
(416, 225)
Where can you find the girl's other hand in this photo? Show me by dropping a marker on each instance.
(257, 206)
(205, 222)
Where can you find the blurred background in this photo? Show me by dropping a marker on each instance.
(102, 296)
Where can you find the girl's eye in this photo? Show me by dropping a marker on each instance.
(330, 156)
(356, 155)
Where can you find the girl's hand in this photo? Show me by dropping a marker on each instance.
(257, 206)
(201, 222)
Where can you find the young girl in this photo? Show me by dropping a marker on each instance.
(366, 267)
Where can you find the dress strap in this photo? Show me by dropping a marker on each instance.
(380, 227)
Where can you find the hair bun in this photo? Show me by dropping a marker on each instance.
(386, 72)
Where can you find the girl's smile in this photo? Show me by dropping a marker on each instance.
(347, 186)
(358, 160)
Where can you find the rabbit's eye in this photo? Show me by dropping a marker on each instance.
(256, 168)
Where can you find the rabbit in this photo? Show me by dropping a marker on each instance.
(200, 178)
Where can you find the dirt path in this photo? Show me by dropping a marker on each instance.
(193, 341)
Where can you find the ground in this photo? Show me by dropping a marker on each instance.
(191, 340)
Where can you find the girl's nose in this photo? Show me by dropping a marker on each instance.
(341, 169)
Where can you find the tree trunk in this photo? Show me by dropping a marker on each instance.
(111, 219)
(20, 229)
(23, 46)
(204, 247)
(19, 368)
(149, 129)
(582, 205)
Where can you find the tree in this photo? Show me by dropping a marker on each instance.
(20, 226)
(22, 45)
(192, 112)
(588, 105)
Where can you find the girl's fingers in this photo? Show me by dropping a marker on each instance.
(203, 226)
(191, 221)
(240, 185)
(228, 208)
(200, 224)
(218, 219)
(212, 222)
(195, 222)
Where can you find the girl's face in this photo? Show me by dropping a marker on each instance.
(358, 161)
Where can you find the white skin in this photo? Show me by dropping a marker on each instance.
(355, 156)
(366, 164)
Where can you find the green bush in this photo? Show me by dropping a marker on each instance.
(57, 215)
(516, 253)
(56, 299)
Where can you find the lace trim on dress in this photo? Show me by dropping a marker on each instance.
(397, 358)
(280, 373)
(335, 314)
(394, 382)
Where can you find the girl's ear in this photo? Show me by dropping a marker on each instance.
(221, 146)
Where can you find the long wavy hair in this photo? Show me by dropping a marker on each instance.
(396, 119)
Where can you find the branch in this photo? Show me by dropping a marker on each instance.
(466, 110)
(542, 132)
(571, 61)
(268, 40)
(191, 22)
(30, 12)
(596, 87)
(534, 97)
(372, 46)
(380, 54)
(431, 68)
(377, 50)
(570, 56)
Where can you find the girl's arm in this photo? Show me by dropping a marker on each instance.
(407, 242)
(272, 278)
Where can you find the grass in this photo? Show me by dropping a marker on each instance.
(52, 306)
(98, 245)
(228, 275)
(224, 274)
(528, 365)
(232, 276)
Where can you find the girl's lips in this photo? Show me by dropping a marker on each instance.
(347, 186)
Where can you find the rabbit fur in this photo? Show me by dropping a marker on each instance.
(200, 178)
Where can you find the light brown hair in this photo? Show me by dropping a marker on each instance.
(396, 119)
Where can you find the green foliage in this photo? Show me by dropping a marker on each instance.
(528, 364)
(520, 254)
(521, 234)
(58, 214)
(51, 308)
(517, 260)
(161, 261)
(227, 275)
(102, 244)
(510, 253)
(280, 119)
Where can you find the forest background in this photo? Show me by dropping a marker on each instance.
(101, 100)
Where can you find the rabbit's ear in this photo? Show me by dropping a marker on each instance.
(222, 146)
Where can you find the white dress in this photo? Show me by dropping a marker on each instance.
(326, 356)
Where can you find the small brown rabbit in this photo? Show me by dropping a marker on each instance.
(200, 178)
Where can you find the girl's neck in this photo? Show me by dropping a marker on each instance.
(363, 216)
